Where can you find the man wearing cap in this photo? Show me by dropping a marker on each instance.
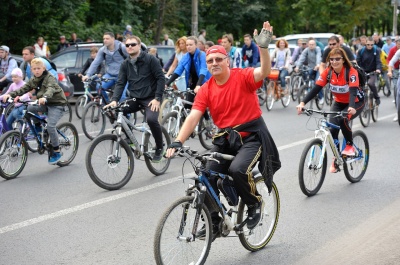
(7, 64)
(230, 95)
(63, 44)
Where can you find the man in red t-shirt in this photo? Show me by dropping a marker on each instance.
(230, 96)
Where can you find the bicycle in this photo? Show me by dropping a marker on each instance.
(169, 98)
(381, 85)
(83, 100)
(274, 91)
(313, 161)
(370, 108)
(110, 154)
(14, 148)
(306, 88)
(176, 241)
(173, 121)
(296, 83)
(261, 93)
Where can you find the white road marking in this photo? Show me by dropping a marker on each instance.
(84, 206)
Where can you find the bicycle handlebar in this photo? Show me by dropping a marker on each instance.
(205, 157)
(309, 112)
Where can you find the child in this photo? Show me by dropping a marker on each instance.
(17, 112)
(51, 100)
(99, 71)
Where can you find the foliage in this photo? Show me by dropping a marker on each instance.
(150, 19)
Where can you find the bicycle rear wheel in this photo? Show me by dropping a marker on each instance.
(270, 94)
(159, 167)
(302, 93)
(365, 114)
(93, 120)
(68, 141)
(107, 169)
(310, 176)
(13, 154)
(296, 84)
(206, 130)
(174, 242)
(258, 238)
(80, 105)
(328, 96)
(355, 170)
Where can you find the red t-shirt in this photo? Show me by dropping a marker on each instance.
(338, 85)
(232, 103)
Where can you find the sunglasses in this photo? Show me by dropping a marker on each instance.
(335, 59)
(369, 44)
(331, 44)
(217, 60)
(130, 44)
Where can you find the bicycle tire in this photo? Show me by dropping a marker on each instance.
(386, 90)
(206, 134)
(173, 242)
(80, 105)
(93, 120)
(374, 112)
(270, 90)
(355, 171)
(99, 164)
(285, 97)
(317, 103)
(31, 141)
(12, 146)
(365, 114)
(295, 87)
(302, 93)
(260, 236)
(328, 96)
(261, 94)
(309, 181)
(169, 122)
(157, 168)
(165, 108)
(68, 148)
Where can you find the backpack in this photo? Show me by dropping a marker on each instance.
(363, 49)
(8, 61)
(52, 64)
(120, 52)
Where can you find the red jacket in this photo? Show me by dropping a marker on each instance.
(390, 56)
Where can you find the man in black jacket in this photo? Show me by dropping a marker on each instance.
(368, 58)
(146, 83)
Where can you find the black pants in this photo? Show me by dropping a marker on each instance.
(372, 86)
(240, 169)
(344, 123)
(151, 117)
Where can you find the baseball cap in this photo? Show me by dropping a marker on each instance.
(216, 49)
(303, 41)
(5, 48)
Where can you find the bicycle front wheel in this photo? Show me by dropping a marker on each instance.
(13, 154)
(174, 242)
(109, 164)
(207, 130)
(302, 93)
(93, 120)
(285, 97)
(80, 106)
(296, 84)
(261, 94)
(311, 174)
(159, 167)
(68, 141)
(270, 94)
(355, 167)
(258, 238)
(374, 112)
(165, 108)
(365, 114)
(169, 122)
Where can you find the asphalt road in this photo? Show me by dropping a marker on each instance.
(52, 215)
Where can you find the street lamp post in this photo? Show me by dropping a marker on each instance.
(195, 17)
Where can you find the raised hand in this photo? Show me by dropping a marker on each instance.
(265, 36)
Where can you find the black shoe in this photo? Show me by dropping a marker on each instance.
(201, 234)
(377, 101)
(254, 214)
(157, 155)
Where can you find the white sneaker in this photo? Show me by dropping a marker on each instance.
(396, 118)
(321, 101)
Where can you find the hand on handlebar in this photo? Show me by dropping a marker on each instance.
(5, 97)
(351, 111)
(112, 104)
(42, 101)
(172, 148)
(300, 108)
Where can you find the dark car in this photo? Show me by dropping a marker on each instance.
(164, 52)
(72, 60)
(63, 79)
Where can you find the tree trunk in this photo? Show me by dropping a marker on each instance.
(160, 22)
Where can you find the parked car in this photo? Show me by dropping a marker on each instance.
(63, 79)
(321, 37)
(164, 52)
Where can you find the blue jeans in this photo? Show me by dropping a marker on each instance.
(16, 114)
(282, 74)
(107, 85)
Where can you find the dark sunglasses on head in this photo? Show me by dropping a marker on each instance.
(130, 44)
(335, 59)
(217, 59)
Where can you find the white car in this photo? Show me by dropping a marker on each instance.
(321, 37)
